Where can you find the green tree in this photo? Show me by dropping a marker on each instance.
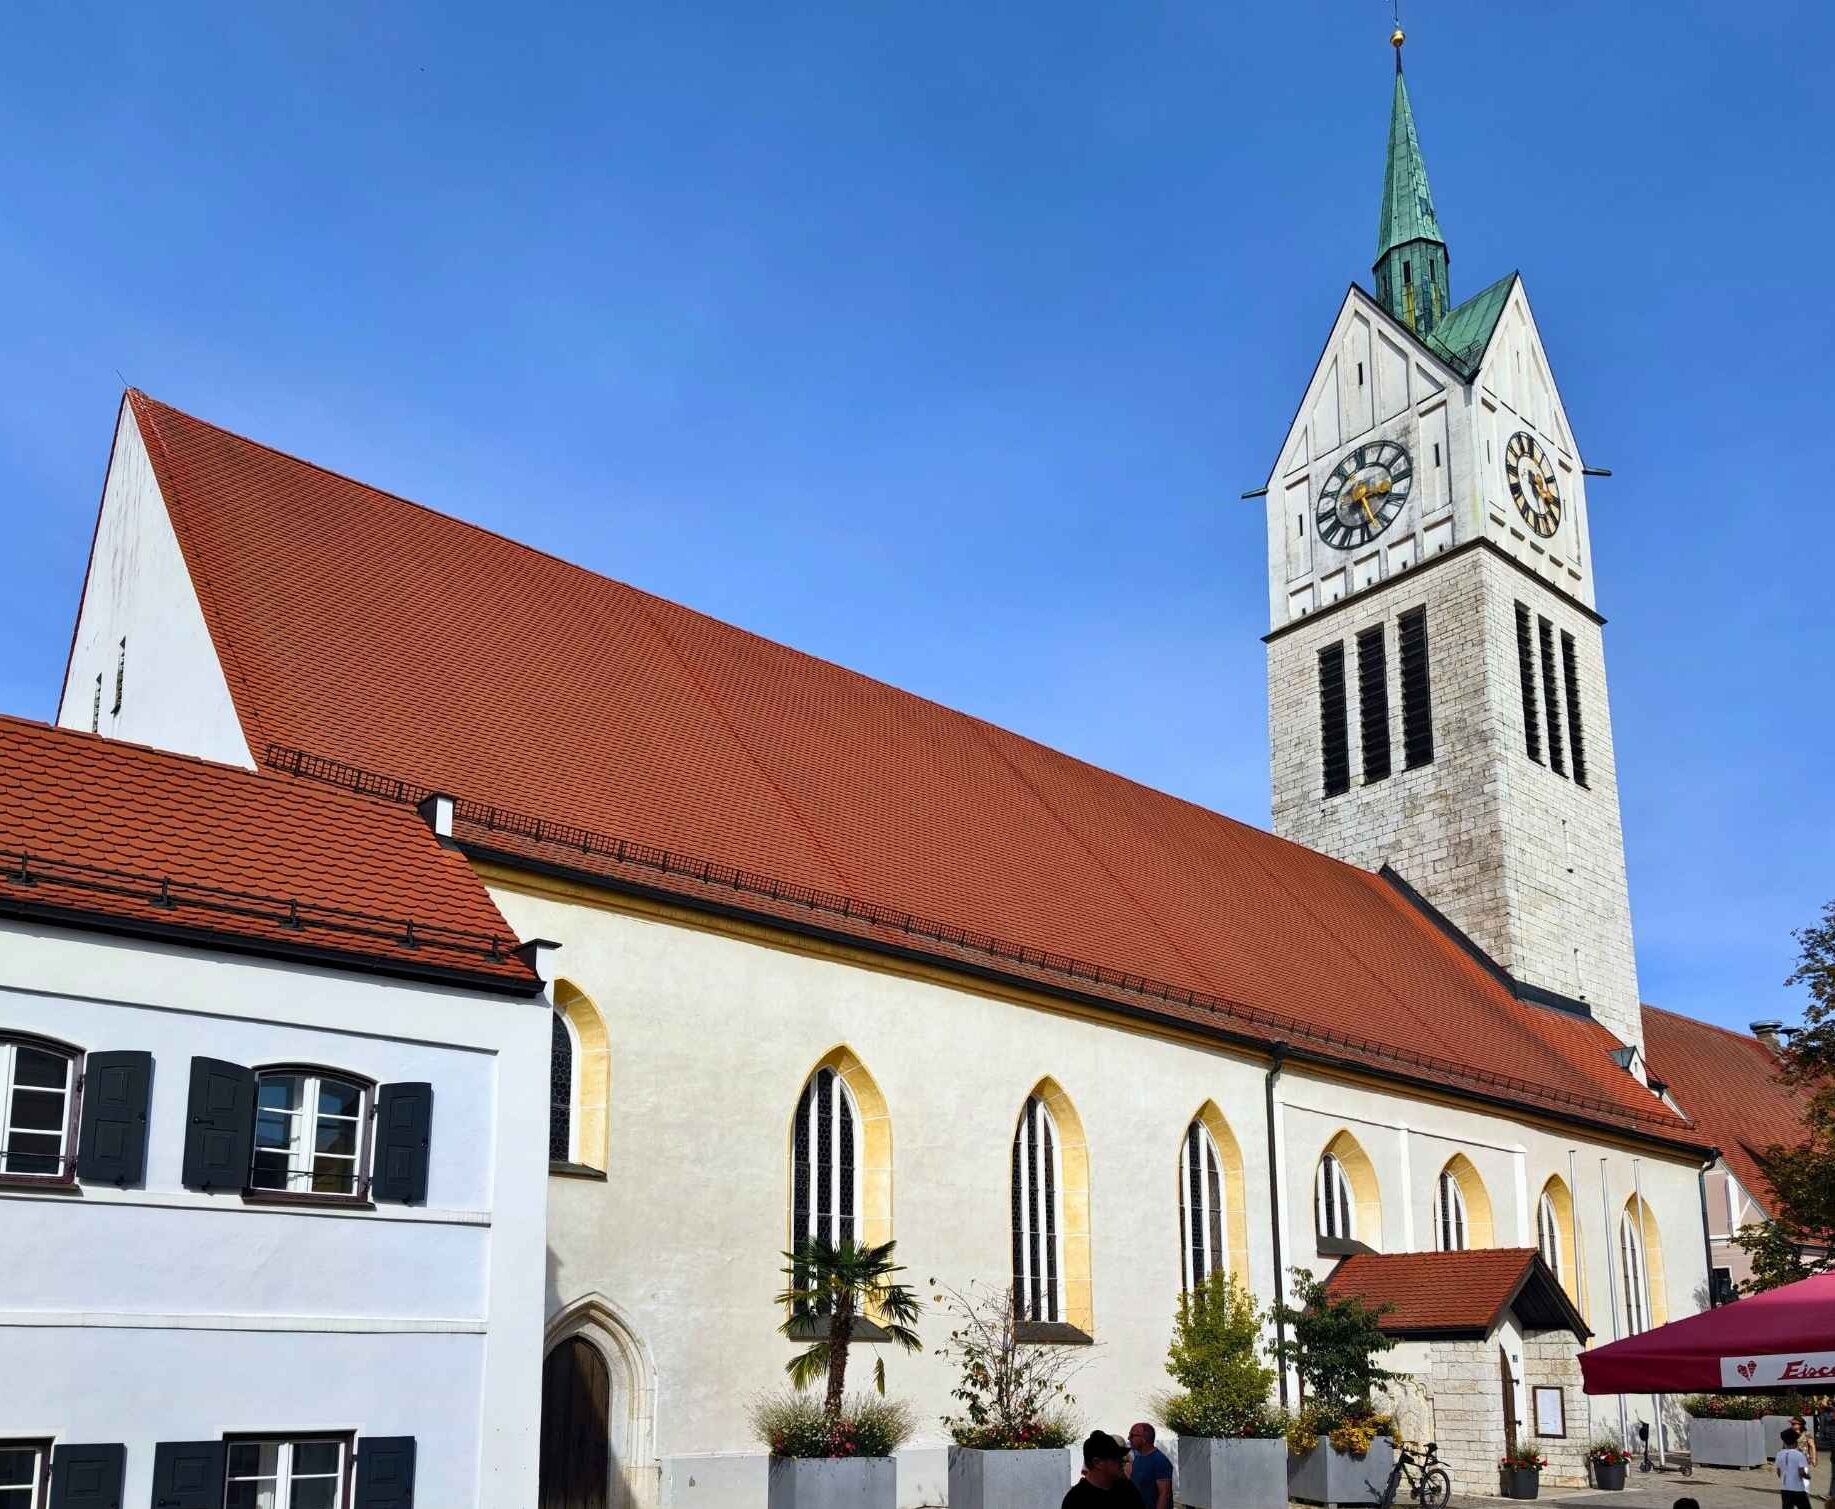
(1799, 1238)
(839, 1284)
(1333, 1344)
(1216, 1359)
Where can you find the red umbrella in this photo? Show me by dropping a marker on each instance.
(1778, 1338)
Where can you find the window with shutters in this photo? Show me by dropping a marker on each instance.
(1545, 642)
(1332, 1206)
(311, 1133)
(1201, 1206)
(1417, 690)
(38, 1095)
(24, 1468)
(1576, 734)
(307, 1472)
(1373, 702)
(1334, 726)
(1449, 1215)
(1038, 1216)
(1526, 679)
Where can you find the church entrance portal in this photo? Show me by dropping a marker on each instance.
(576, 1411)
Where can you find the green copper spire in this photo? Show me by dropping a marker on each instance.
(1411, 256)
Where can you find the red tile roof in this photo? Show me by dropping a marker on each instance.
(1726, 1083)
(361, 627)
(1435, 1291)
(117, 835)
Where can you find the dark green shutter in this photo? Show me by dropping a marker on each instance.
(385, 1472)
(404, 1124)
(112, 1144)
(220, 1125)
(87, 1477)
(188, 1474)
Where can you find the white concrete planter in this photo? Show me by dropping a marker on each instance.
(833, 1483)
(1726, 1443)
(1326, 1475)
(1227, 1473)
(1008, 1479)
(1775, 1426)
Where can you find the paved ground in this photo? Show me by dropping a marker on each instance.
(1711, 1487)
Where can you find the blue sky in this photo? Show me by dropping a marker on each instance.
(940, 340)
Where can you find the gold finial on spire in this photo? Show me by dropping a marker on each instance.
(1398, 36)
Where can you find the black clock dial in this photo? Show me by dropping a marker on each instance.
(1531, 476)
(1364, 494)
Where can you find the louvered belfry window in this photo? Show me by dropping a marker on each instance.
(1576, 734)
(1038, 1258)
(825, 1190)
(1334, 727)
(1545, 640)
(1526, 675)
(1373, 702)
(1201, 1207)
(1417, 690)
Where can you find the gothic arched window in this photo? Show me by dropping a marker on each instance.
(1449, 1214)
(1038, 1216)
(1548, 1233)
(1631, 1257)
(825, 1192)
(1201, 1195)
(561, 1092)
(1332, 1206)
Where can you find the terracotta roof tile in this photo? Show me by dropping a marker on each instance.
(1434, 1291)
(92, 828)
(1726, 1082)
(370, 630)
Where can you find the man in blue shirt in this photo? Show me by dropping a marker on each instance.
(1148, 1468)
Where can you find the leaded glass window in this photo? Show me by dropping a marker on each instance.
(825, 1201)
(1332, 1201)
(560, 1093)
(1631, 1263)
(1449, 1214)
(1038, 1219)
(1201, 1207)
(1548, 1234)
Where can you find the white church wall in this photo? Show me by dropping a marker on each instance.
(711, 1037)
(173, 693)
(160, 1313)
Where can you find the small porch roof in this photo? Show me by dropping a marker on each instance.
(1458, 1295)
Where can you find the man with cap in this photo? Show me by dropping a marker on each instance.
(1104, 1484)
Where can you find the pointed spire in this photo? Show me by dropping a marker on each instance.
(1411, 255)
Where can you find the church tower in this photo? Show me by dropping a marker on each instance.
(1436, 670)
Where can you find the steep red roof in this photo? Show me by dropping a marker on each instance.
(358, 626)
(1451, 1291)
(1726, 1082)
(113, 834)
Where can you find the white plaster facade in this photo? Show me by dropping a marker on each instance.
(1527, 861)
(712, 1030)
(156, 1313)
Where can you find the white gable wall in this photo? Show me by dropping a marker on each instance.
(173, 693)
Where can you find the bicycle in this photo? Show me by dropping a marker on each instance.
(1432, 1489)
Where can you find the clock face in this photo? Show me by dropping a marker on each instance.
(1364, 494)
(1532, 483)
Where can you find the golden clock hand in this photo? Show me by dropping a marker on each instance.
(1384, 485)
(1365, 503)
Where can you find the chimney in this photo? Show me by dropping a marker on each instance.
(436, 812)
(1769, 1032)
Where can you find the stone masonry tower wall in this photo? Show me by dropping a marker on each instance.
(1527, 862)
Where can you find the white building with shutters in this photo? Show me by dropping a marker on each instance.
(271, 1147)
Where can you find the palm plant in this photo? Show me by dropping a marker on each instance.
(837, 1283)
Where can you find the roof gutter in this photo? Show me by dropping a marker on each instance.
(1259, 1047)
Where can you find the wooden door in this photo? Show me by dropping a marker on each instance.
(1503, 1364)
(576, 1411)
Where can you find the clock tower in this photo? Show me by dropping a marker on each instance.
(1436, 670)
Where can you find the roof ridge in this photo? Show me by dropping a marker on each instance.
(1695, 1021)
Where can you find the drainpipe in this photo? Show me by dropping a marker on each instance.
(1274, 1203)
(1707, 1238)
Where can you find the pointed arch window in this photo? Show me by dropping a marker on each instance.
(1548, 1233)
(563, 1090)
(1038, 1216)
(1332, 1205)
(825, 1188)
(1201, 1207)
(1449, 1214)
(1631, 1257)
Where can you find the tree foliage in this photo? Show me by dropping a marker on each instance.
(1014, 1395)
(1216, 1359)
(1799, 1237)
(839, 1284)
(1333, 1345)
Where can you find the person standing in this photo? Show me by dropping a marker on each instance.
(1149, 1470)
(1104, 1484)
(1793, 1473)
(1806, 1440)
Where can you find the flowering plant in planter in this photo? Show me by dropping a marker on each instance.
(1727, 1406)
(1215, 1359)
(1607, 1453)
(1014, 1394)
(1523, 1459)
(1351, 1430)
(800, 1425)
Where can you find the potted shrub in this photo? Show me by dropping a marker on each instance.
(838, 1453)
(1521, 1472)
(1232, 1445)
(1725, 1430)
(1606, 1460)
(1011, 1440)
(1340, 1448)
